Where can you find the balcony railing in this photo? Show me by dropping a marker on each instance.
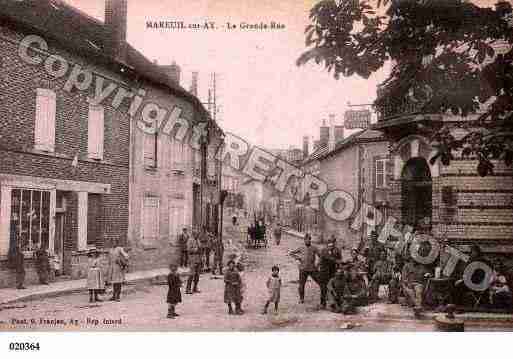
(398, 109)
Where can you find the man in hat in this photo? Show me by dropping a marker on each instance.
(382, 275)
(183, 238)
(194, 253)
(19, 265)
(42, 264)
(330, 256)
(306, 257)
(375, 249)
(355, 291)
(117, 269)
(415, 276)
(336, 287)
(277, 234)
(218, 248)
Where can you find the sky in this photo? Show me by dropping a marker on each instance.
(263, 96)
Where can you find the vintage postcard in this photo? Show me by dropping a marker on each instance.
(236, 165)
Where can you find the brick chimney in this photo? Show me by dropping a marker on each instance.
(305, 146)
(194, 84)
(115, 25)
(323, 134)
(339, 133)
(331, 139)
(173, 72)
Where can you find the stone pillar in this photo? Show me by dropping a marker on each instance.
(82, 220)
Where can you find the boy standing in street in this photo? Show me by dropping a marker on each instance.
(174, 295)
(232, 284)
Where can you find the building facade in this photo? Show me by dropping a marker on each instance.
(76, 173)
(359, 165)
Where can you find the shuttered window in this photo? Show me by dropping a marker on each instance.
(176, 218)
(95, 132)
(44, 130)
(177, 155)
(383, 169)
(150, 219)
(150, 150)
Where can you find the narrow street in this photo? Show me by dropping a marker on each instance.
(143, 307)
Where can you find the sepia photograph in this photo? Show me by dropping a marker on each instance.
(340, 166)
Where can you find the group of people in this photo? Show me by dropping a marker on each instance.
(42, 264)
(195, 252)
(98, 278)
(342, 285)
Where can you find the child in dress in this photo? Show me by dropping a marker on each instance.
(95, 280)
(174, 295)
(274, 288)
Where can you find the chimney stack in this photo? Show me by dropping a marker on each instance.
(116, 24)
(339, 133)
(331, 139)
(173, 72)
(305, 146)
(324, 134)
(194, 84)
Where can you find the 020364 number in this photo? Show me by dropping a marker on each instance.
(24, 346)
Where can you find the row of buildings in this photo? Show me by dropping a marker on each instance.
(387, 166)
(75, 174)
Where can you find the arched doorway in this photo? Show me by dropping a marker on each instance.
(416, 194)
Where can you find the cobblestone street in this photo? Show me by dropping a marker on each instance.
(143, 307)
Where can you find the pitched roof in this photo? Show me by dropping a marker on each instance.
(315, 155)
(80, 33)
(363, 136)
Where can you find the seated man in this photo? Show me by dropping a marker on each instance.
(382, 275)
(336, 287)
(355, 292)
(462, 295)
(414, 278)
(500, 294)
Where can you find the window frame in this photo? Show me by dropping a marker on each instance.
(99, 129)
(148, 240)
(46, 112)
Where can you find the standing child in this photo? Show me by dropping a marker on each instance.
(95, 280)
(232, 284)
(174, 295)
(274, 288)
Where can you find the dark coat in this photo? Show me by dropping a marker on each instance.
(232, 284)
(328, 263)
(174, 294)
(19, 262)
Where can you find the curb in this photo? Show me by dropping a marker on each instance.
(75, 290)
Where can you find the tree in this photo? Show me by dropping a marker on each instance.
(445, 59)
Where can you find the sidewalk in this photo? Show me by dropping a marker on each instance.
(33, 292)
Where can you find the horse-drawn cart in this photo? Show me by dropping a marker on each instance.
(256, 237)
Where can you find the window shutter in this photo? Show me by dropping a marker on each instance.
(44, 129)
(95, 132)
(150, 219)
(176, 219)
(389, 172)
(380, 175)
(149, 150)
